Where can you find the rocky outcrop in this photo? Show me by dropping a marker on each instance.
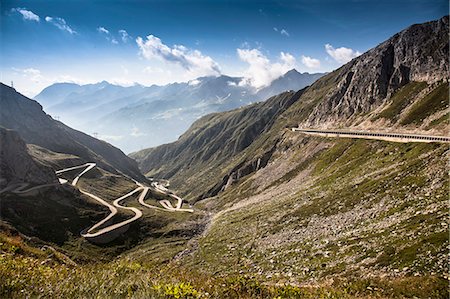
(16, 164)
(418, 53)
(241, 170)
(26, 116)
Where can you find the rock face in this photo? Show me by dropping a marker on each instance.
(16, 164)
(26, 116)
(418, 53)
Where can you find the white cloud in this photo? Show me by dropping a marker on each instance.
(311, 63)
(284, 32)
(27, 14)
(108, 35)
(281, 31)
(261, 72)
(30, 73)
(124, 35)
(135, 132)
(154, 70)
(103, 30)
(194, 82)
(60, 23)
(193, 61)
(342, 54)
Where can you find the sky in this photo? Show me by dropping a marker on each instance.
(160, 42)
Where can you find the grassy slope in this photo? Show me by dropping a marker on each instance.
(25, 269)
(401, 99)
(348, 209)
(213, 145)
(435, 101)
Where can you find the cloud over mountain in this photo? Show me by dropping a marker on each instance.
(311, 63)
(261, 71)
(190, 59)
(342, 54)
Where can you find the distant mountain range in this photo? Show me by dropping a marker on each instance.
(138, 116)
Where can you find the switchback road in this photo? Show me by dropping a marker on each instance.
(97, 230)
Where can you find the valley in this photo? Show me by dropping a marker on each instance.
(324, 185)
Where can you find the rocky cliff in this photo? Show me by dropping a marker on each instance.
(418, 53)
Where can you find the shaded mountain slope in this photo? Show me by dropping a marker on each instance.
(207, 147)
(16, 164)
(27, 118)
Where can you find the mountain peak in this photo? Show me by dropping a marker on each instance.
(292, 72)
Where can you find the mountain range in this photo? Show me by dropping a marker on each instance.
(137, 116)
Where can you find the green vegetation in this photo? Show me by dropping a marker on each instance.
(32, 272)
(401, 99)
(436, 100)
(359, 197)
(442, 121)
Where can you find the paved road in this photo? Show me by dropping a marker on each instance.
(166, 203)
(116, 203)
(94, 231)
(395, 137)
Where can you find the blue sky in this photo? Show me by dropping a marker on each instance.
(158, 42)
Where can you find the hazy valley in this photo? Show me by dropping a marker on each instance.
(137, 117)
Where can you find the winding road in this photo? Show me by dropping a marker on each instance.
(395, 137)
(166, 204)
(96, 231)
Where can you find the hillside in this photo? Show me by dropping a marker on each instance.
(17, 165)
(35, 127)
